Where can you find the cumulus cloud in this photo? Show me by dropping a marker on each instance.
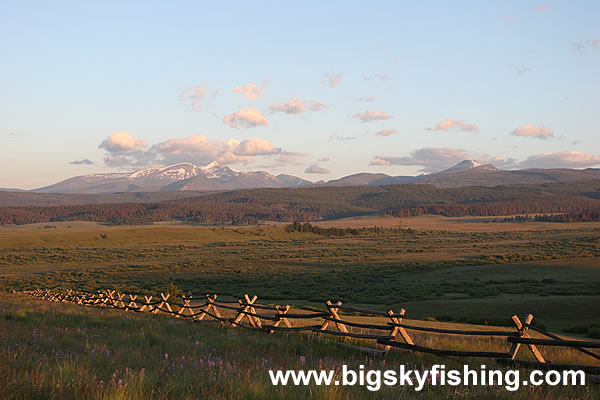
(250, 90)
(256, 147)
(246, 118)
(198, 149)
(119, 161)
(122, 142)
(82, 162)
(386, 132)
(331, 80)
(297, 106)
(434, 159)
(366, 99)
(452, 124)
(369, 116)
(563, 159)
(539, 132)
(582, 47)
(315, 169)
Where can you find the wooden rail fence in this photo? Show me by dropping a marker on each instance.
(383, 337)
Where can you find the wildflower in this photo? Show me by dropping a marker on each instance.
(166, 356)
(302, 359)
(142, 371)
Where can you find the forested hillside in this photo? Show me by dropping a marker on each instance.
(580, 199)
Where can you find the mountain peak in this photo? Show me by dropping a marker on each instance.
(467, 165)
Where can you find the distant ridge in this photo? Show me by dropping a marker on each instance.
(180, 176)
(219, 177)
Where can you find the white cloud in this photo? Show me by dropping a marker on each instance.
(250, 90)
(433, 159)
(331, 80)
(539, 132)
(563, 159)
(315, 169)
(246, 118)
(297, 106)
(386, 132)
(452, 124)
(120, 161)
(256, 147)
(369, 116)
(121, 142)
(199, 150)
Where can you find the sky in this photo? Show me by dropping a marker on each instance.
(315, 89)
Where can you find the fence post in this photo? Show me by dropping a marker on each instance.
(397, 320)
(164, 302)
(148, 299)
(246, 311)
(333, 314)
(523, 332)
(186, 306)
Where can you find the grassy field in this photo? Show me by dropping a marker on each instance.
(482, 276)
(64, 351)
(441, 270)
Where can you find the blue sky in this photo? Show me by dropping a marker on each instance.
(127, 85)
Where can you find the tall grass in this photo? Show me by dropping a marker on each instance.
(64, 351)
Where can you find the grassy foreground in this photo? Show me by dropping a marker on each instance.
(64, 351)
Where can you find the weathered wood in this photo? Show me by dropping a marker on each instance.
(147, 305)
(132, 304)
(362, 310)
(523, 333)
(211, 310)
(186, 306)
(397, 320)
(247, 311)
(281, 315)
(333, 314)
(553, 336)
(163, 302)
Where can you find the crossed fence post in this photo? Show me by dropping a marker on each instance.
(248, 311)
(522, 328)
(210, 308)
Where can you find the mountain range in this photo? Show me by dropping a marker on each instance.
(181, 176)
(218, 177)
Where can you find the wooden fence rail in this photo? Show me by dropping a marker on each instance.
(382, 336)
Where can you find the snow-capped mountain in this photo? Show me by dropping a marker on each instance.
(181, 176)
(219, 172)
(172, 173)
(463, 165)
